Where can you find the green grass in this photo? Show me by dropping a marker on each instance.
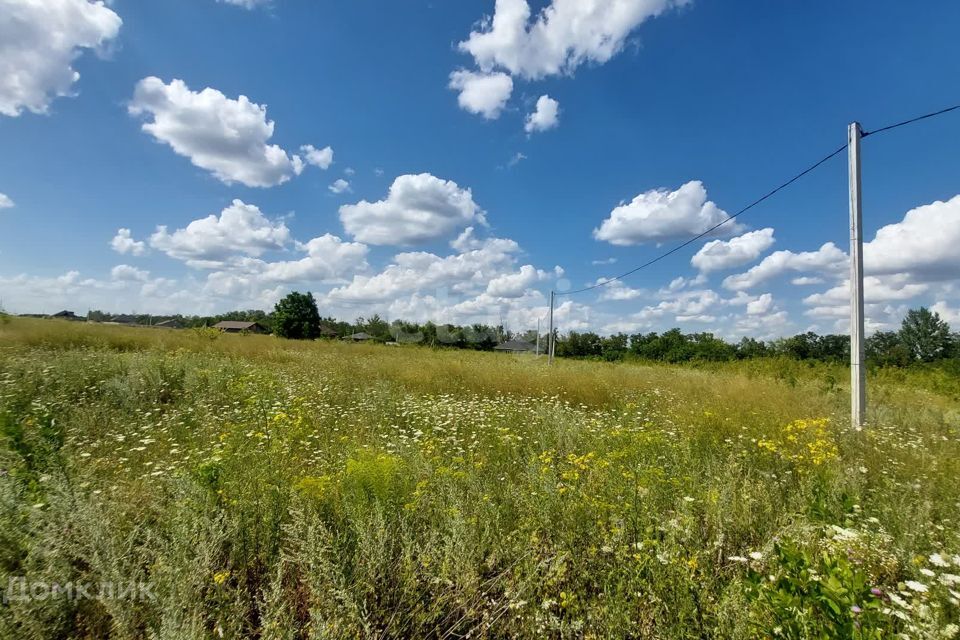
(260, 488)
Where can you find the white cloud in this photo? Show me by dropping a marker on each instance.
(126, 272)
(603, 261)
(807, 280)
(224, 136)
(718, 255)
(761, 305)
(5, 201)
(828, 259)
(247, 4)
(876, 290)
(947, 314)
(485, 94)
(924, 244)
(546, 116)
(467, 272)
(417, 209)
(39, 41)
(560, 38)
(514, 285)
(322, 158)
(515, 159)
(339, 186)
(659, 215)
(328, 260)
(208, 242)
(617, 291)
(124, 243)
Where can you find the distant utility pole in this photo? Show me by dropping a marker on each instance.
(858, 379)
(550, 338)
(538, 336)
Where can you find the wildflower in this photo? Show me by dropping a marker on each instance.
(937, 560)
(913, 585)
(928, 573)
(220, 577)
(737, 559)
(855, 609)
(756, 555)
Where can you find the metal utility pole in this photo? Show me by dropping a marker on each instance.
(858, 379)
(550, 339)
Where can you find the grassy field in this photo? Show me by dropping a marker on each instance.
(183, 484)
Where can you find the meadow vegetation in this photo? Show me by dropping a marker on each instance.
(264, 488)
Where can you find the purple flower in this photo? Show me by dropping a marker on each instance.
(856, 609)
(876, 592)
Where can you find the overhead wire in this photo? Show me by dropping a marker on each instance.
(753, 204)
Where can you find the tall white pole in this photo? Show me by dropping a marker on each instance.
(858, 381)
(550, 338)
(538, 336)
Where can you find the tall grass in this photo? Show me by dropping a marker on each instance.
(255, 487)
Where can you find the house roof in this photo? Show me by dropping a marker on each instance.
(236, 324)
(514, 345)
(361, 336)
(327, 331)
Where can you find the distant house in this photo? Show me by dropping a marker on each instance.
(122, 319)
(172, 323)
(359, 337)
(237, 326)
(67, 315)
(327, 332)
(515, 346)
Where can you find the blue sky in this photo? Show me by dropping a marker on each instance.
(565, 135)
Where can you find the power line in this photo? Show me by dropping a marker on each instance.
(756, 202)
(911, 120)
(708, 231)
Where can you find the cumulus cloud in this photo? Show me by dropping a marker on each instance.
(126, 272)
(828, 259)
(485, 94)
(124, 243)
(224, 136)
(947, 313)
(328, 260)
(339, 186)
(514, 285)
(876, 290)
(417, 209)
(322, 158)
(924, 244)
(545, 116)
(467, 272)
(5, 201)
(239, 229)
(807, 280)
(761, 305)
(39, 42)
(659, 215)
(718, 255)
(617, 291)
(561, 37)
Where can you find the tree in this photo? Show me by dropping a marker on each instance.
(886, 349)
(925, 335)
(297, 317)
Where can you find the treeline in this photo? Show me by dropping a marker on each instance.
(923, 337)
